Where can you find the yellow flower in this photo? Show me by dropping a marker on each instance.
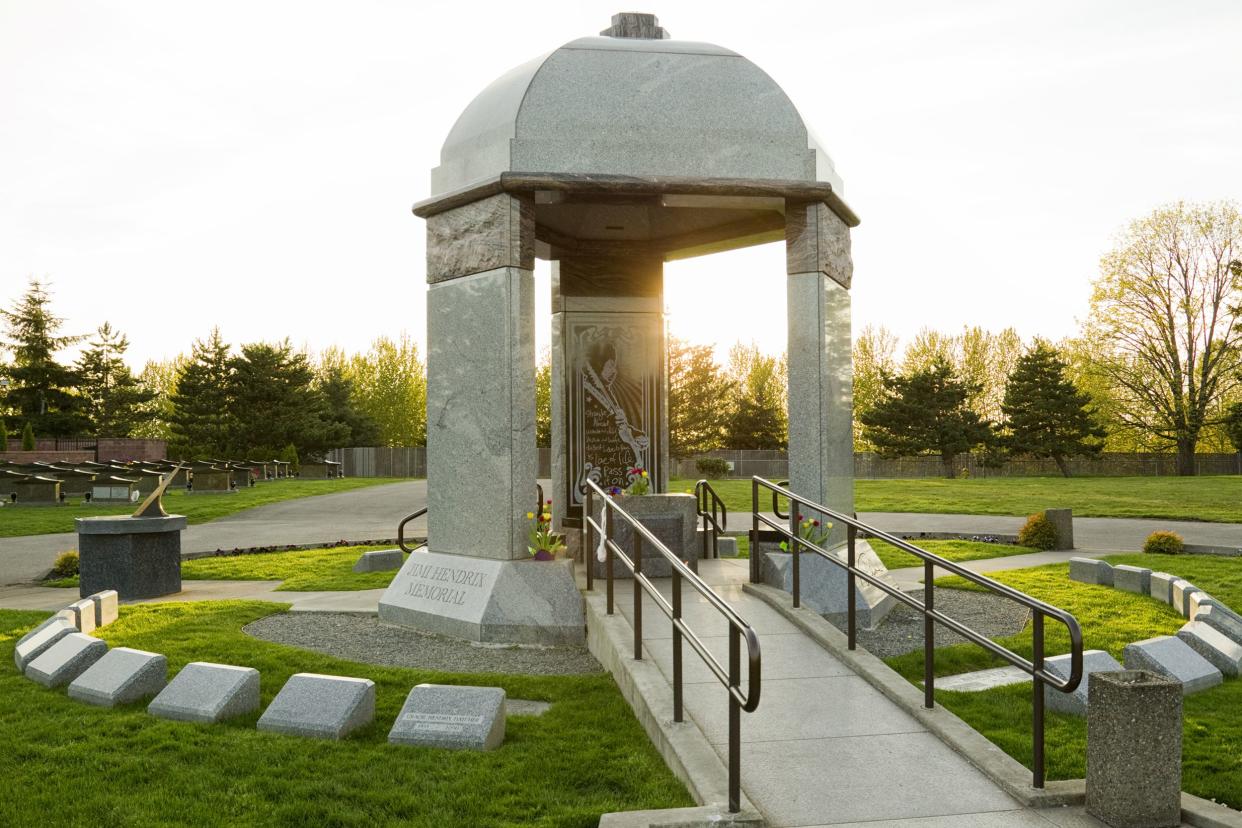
(530, 515)
(547, 515)
(644, 474)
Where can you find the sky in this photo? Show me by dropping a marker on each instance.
(174, 166)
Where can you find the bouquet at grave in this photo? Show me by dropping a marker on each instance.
(544, 543)
(640, 482)
(811, 531)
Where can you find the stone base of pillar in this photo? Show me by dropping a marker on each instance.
(823, 586)
(139, 557)
(490, 601)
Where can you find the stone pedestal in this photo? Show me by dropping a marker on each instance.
(823, 585)
(138, 557)
(502, 602)
(1134, 749)
(670, 517)
(1063, 521)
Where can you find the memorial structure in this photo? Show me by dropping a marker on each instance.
(608, 156)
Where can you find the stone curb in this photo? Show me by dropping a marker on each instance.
(683, 746)
(997, 765)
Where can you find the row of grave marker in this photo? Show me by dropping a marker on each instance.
(61, 652)
(116, 482)
(1206, 648)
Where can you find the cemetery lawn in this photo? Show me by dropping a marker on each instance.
(586, 756)
(1110, 619)
(1217, 498)
(953, 550)
(200, 508)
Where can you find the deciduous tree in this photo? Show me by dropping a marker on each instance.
(758, 419)
(874, 358)
(699, 406)
(1164, 313)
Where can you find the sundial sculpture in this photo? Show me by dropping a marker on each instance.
(607, 156)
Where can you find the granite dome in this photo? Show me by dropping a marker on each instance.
(637, 107)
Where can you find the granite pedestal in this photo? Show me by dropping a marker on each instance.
(1134, 750)
(479, 599)
(672, 518)
(1062, 521)
(137, 557)
(823, 585)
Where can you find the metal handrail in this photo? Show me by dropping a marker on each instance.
(715, 517)
(401, 528)
(931, 616)
(738, 628)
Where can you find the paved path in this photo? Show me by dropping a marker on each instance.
(825, 747)
(371, 512)
(24, 596)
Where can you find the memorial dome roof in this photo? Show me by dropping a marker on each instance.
(633, 102)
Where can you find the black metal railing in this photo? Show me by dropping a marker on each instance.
(731, 677)
(715, 517)
(1033, 667)
(401, 528)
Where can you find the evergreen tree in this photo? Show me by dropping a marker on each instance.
(699, 403)
(42, 390)
(1046, 415)
(357, 429)
(1233, 425)
(4, 436)
(275, 405)
(28, 438)
(757, 419)
(201, 418)
(113, 394)
(925, 411)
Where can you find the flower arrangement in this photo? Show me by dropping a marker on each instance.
(811, 531)
(544, 543)
(640, 482)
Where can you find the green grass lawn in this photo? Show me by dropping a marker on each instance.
(1110, 619)
(198, 508)
(953, 550)
(68, 763)
(1174, 498)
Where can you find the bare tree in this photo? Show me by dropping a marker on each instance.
(1165, 318)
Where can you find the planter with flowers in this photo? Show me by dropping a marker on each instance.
(545, 545)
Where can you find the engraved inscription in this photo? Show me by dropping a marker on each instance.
(443, 584)
(441, 722)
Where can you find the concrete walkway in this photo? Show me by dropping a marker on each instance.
(825, 747)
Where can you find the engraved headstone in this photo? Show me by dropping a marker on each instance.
(1172, 657)
(324, 707)
(122, 676)
(204, 692)
(40, 638)
(449, 716)
(1075, 701)
(65, 660)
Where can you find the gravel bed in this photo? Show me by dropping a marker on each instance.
(362, 638)
(901, 631)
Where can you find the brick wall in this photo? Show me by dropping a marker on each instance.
(77, 450)
(48, 456)
(120, 448)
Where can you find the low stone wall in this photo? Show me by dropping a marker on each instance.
(48, 456)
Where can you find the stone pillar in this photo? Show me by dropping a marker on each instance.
(821, 441)
(477, 580)
(608, 356)
(1134, 749)
(481, 456)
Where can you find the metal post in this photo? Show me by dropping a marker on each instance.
(609, 531)
(795, 548)
(1037, 699)
(850, 587)
(677, 695)
(929, 636)
(735, 721)
(587, 549)
(754, 531)
(705, 547)
(638, 593)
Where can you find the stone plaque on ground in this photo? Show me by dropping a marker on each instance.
(1075, 702)
(380, 560)
(1224, 653)
(204, 692)
(325, 707)
(451, 716)
(40, 638)
(106, 607)
(65, 660)
(486, 600)
(1172, 657)
(122, 676)
(84, 611)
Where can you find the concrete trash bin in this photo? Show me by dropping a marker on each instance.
(1134, 749)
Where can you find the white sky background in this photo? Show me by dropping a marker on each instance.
(171, 166)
